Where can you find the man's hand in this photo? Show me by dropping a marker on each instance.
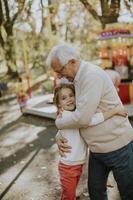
(121, 111)
(62, 145)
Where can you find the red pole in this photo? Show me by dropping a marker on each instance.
(28, 82)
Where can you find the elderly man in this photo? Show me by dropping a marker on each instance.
(111, 142)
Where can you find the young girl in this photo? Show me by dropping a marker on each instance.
(70, 166)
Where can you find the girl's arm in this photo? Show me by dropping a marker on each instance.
(98, 118)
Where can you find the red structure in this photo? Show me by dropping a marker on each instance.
(116, 52)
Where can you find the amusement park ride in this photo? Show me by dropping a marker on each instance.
(116, 52)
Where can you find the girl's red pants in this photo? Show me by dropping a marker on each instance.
(69, 178)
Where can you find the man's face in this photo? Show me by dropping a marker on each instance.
(66, 71)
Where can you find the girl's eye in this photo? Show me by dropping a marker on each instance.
(63, 98)
(71, 95)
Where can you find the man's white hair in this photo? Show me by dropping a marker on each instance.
(64, 53)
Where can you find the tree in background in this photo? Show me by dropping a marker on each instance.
(78, 22)
(110, 10)
(7, 21)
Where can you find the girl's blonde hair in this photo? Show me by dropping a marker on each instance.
(58, 90)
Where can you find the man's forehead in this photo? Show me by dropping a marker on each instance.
(55, 62)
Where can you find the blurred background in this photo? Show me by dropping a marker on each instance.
(102, 31)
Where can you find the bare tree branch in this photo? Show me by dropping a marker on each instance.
(110, 12)
(20, 8)
(7, 10)
(127, 4)
(1, 40)
(43, 19)
(88, 6)
(1, 13)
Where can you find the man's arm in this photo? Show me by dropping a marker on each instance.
(118, 110)
(99, 117)
(91, 88)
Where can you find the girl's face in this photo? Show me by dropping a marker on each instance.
(67, 99)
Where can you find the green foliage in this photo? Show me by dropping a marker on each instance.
(48, 86)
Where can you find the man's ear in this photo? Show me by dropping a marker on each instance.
(72, 61)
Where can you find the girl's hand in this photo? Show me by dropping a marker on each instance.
(59, 115)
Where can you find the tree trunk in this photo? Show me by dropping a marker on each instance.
(51, 13)
(7, 21)
(9, 56)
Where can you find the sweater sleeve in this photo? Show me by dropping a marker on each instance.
(97, 118)
(91, 88)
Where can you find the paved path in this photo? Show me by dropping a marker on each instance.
(29, 157)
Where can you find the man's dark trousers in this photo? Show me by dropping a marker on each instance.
(120, 162)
